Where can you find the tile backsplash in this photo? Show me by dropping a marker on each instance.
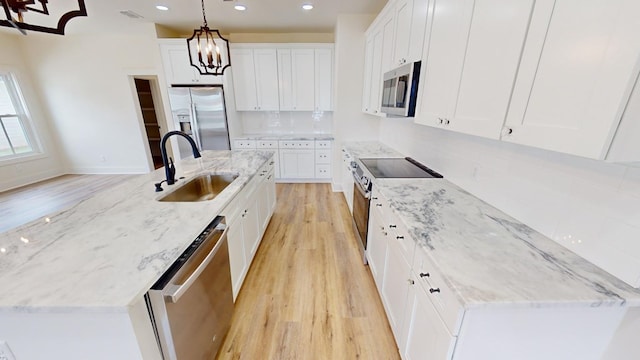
(287, 122)
(591, 207)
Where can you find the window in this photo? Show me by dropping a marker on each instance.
(15, 135)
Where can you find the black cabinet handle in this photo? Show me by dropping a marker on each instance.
(392, 226)
(432, 290)
(378, 204)
(374, 198)
(424, 275)
(400, 237)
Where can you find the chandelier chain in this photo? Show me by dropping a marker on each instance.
(204, 16)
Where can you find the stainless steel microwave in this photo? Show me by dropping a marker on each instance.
(400, 90)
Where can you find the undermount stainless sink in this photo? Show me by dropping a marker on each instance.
(201, 188)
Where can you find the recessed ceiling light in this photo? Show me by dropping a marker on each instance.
(307, 6)
(162, 7)
(240, 7)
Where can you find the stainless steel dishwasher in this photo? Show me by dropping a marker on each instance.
(192, 303)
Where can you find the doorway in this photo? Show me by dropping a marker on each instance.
(150, 119)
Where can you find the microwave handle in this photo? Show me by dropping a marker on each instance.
(173, 292)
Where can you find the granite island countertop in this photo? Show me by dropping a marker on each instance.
(370, 149)
(104, 253)
(489, 258)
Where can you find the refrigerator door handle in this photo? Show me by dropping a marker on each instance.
(195, 127)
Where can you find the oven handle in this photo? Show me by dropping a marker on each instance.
(174, 292)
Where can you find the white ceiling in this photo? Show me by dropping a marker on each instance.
(272, 16)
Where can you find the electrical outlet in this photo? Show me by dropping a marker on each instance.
(5, 352)
(102, 159)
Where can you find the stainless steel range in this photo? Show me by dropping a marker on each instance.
(364, 171)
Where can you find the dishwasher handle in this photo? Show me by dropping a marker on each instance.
(174, 292)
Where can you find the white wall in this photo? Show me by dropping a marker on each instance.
(591, 207)
(17, 173)
(84, 81)
(349, 122)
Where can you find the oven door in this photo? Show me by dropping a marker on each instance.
(361, 200)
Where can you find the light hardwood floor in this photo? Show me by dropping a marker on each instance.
(28, 203)
(307, 294)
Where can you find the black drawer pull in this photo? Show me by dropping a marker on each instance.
(424, 275)
(392, 226)
(400, 237)
(432, 290)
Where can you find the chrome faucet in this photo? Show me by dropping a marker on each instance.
(169, 169)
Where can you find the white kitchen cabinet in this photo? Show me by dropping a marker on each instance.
(368, 74)
(237, 258)
(255, 79)
(323, 65)
(296, 71)
(395, 285)
(177, 67)
(266, 196)
(377, 239)
(578, 68)
(297, 164)
(347, 179)
(271, 145)
(425, 335)
(387, 28)
(410, 23)
(375, 95)
(465, 86)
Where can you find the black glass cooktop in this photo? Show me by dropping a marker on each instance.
(398, 168)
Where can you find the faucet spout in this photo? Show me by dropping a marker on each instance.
(169, 169)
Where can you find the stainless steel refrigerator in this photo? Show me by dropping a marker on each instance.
(200, 112)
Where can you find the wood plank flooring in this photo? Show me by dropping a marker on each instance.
(307, 294)
(28, 203)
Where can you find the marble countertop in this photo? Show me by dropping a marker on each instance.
(104, 253)
(370, 149)
(488, 258)
(286, 137)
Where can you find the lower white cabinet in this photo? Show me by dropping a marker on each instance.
(426, 336)
(247, 218)
(347, 178)
(297, 164)
(377, 238)
(395, 285)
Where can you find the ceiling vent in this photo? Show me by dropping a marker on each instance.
(131, 14)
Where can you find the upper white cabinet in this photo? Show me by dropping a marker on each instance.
(372, 90)
(471, 60)
(284, 77)
(323, 79)
(177, 66)
(255, 79)
(578, 68)
(410, 22)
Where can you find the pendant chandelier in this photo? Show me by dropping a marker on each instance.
(19, 8)
(208, 50)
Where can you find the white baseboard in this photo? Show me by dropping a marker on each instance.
(20, 181)
(90, 170)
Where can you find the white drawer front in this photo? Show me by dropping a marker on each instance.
(244, 144)
(267, 144)
(323, 156)
(323, 144)
(296, 144)
(323, 171)
(441, 295)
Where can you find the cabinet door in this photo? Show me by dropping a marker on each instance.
(285, 79)
(244, 80)
(303, 69)
(368, 74)
(264, 204)
(443, 59)
(237, 257)
(395, 285)
(176, 62)
(266, 79)
(251, 228)
(578, 66)
(306, 164)
(487, 77)
(271, 191)
(376, 74)
(419, 18)
(403, 16)
(323, 79)
(425, 335)
(388, 28)
(289, 164)
(377, 243)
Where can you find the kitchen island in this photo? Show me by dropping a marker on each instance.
(73, 282)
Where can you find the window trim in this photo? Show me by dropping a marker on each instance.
(24, 116)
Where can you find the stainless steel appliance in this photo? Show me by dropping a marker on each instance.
(364, 171)
(192, 303)
(400, 90)
(200, 112)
